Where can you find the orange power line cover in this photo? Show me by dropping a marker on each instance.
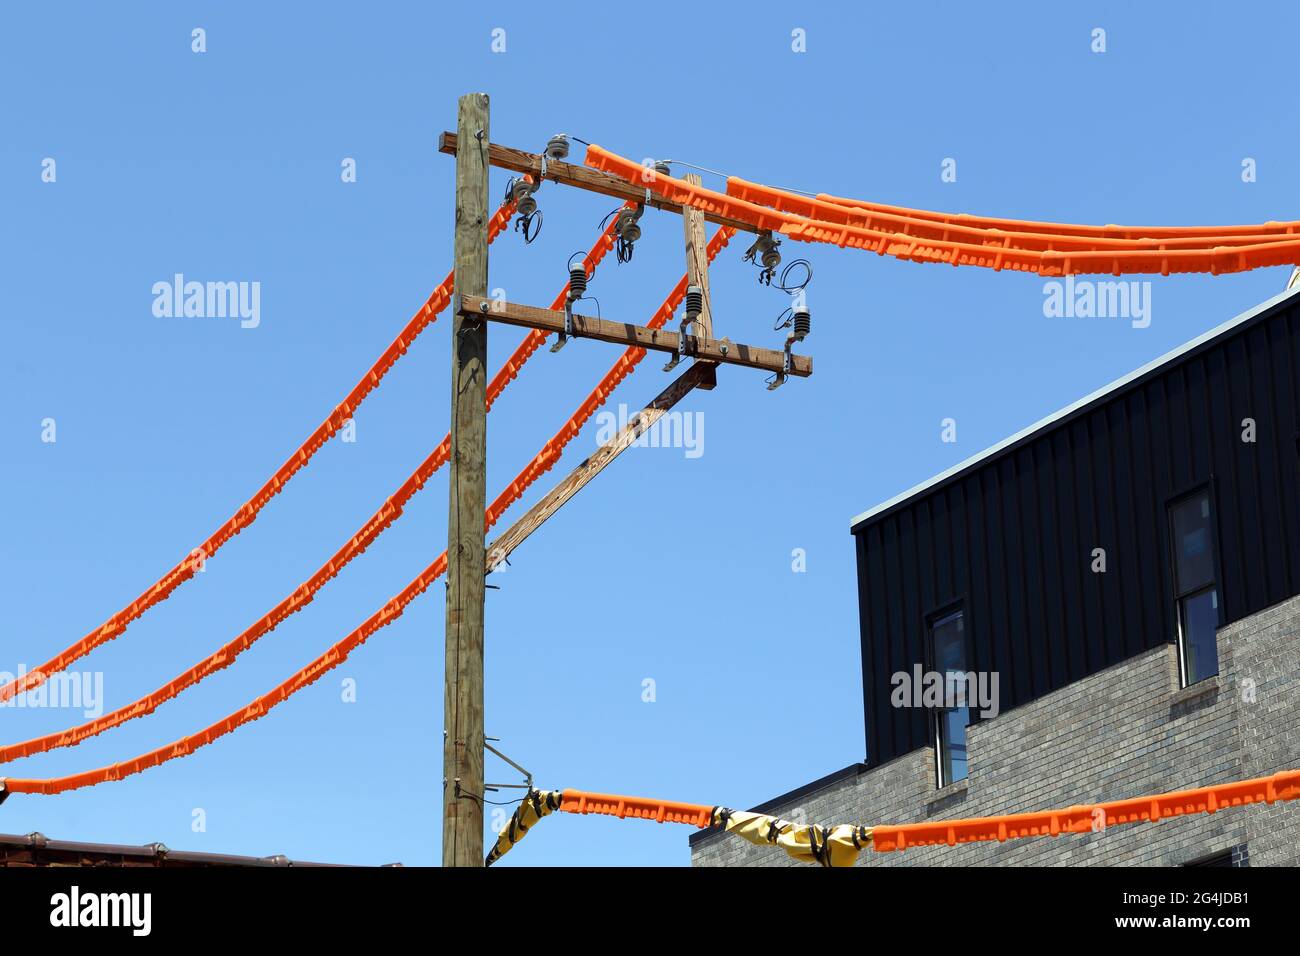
(1215, 260)
(303, 595)
(921, 224)
(244, 516)
(1263, 230)
(1091, 817)
(394, 608)
(839, 845)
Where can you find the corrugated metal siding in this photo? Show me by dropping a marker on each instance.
(1011, 537)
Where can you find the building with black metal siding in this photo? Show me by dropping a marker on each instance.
(1127, 568)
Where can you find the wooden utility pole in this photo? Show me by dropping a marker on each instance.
(697, 260)
(468, 560)
(462, 752)
(697, 272)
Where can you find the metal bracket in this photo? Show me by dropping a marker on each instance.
(779, 378)
(528, 777)
(681, 348)
(563, 339)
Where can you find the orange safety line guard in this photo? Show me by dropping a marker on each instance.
(183, 571)
(303, 595)
(339, 652)
(1284, 785)
(911, 225)
(1216, 260)
(613, 805)
(1266, 229)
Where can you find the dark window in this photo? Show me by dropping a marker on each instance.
(1219, 859)
(1192, 528)
(948, 646)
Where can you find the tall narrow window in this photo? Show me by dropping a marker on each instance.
(948, 645)
(1194, 586)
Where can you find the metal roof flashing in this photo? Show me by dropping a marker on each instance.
(1064, 413)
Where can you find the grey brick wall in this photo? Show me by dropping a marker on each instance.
(1122, 732)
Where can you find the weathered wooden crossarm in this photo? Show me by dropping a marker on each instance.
(720, 351)
(583, 177)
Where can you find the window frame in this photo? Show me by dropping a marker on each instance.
(1180, 596)
(933, 620)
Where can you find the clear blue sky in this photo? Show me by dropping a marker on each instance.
(226, 166)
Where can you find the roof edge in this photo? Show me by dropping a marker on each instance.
(1064, 413)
